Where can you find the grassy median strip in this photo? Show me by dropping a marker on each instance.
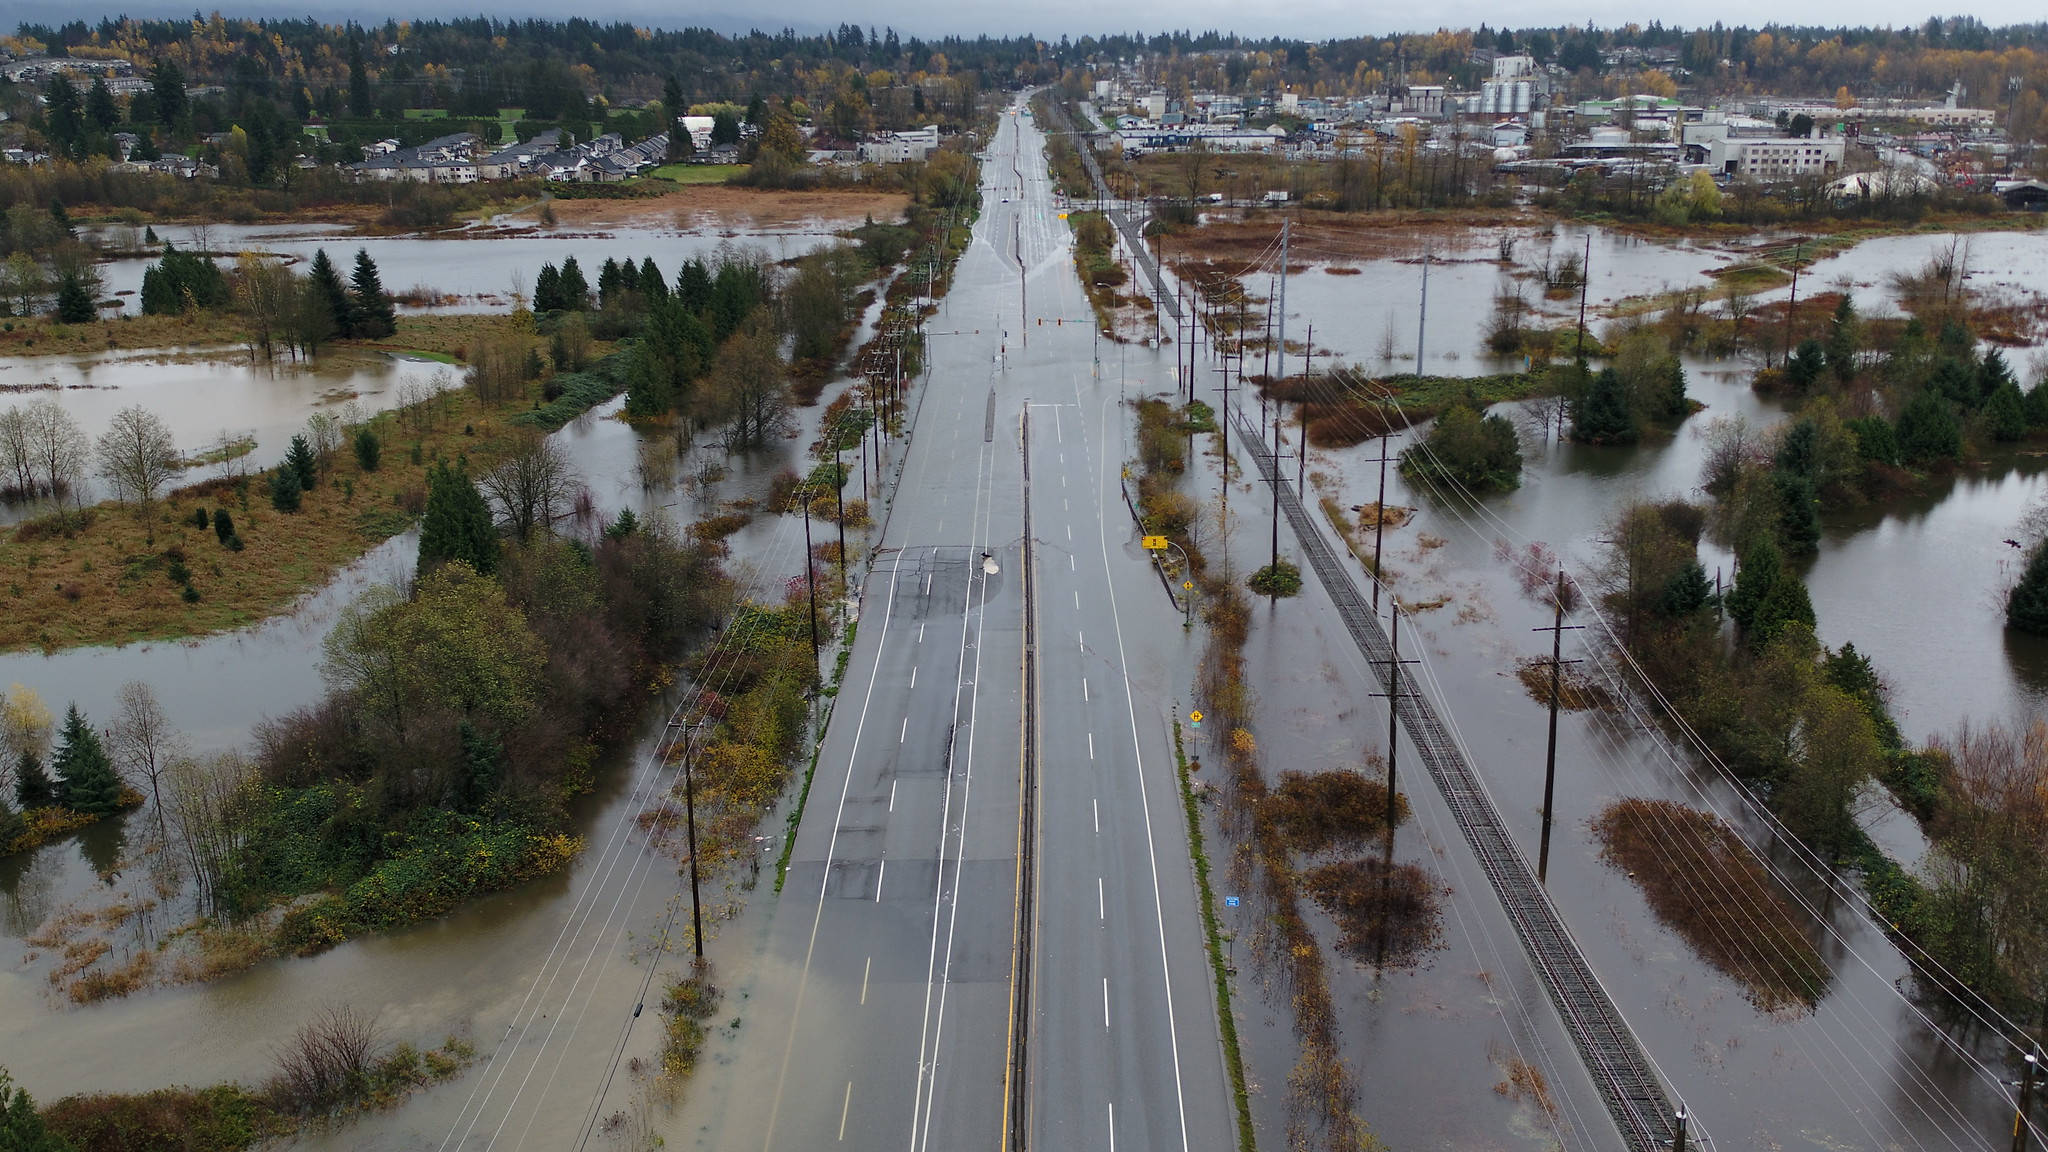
(1247, 1139)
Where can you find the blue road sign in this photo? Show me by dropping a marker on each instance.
(1230, 901)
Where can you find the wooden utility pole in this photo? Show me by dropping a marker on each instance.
(1557, 630)
(1422, 319)
(1585, 278)
(1393, 698)
(1379, 519)
(1792, 307)
(2020, 1124)
(810, 571)
(690, 816)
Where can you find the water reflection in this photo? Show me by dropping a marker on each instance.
(204, 399)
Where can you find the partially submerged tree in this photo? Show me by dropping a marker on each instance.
(137, 455)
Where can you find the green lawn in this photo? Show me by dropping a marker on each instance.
(698, 173)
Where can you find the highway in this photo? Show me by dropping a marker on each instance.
(880, 998)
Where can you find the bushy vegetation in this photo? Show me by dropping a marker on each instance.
(459, 720)
(1466, 449)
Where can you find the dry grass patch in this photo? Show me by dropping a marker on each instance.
(1386, 913)
(1331, 809)
(114, 582)
(1704, 883)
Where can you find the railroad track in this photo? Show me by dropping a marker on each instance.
(1615, 1060)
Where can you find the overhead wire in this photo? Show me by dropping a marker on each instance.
(1783, 834)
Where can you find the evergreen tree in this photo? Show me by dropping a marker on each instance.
(369, 450)
(359, 104)
(167, 90)
(325, 283)
(2006, 413)
(1875, 439)
(652, 286)
(371, 316)
(693, 287)
(2026, 608)
(1807, 364)
(100, 108)
(64, 116)
(609, 284)
(11, 826)
(181, 281)
(21, 1126)
(74, 300)
(547, 289)
(32, 786)
(1844, 339)
(1992, 374)
(1600, 415)
(1755, 575)
(285, 489)
(575, 290)
(757, 110)
(673, 109)
(1688, 591)
(223, 525)
(85, 775)
(724, 129)
(1928, 430)
(483, 761)
(2037, 405)
(300, 460)
(1787, 603)
(1798, 513)
(457, 524)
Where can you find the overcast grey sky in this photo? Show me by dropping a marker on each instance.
(1313, 19)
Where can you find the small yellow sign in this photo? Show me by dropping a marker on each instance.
(1187, 585)
(1155, 543)
(1195, 717)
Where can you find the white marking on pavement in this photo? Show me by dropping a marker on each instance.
(1070, 565)
(892, 783)
(1083, 638)
(1084, 690)
(1097, 805)
(1091, 745)
(1070, 533)
(871, 967)
(920, 633)
(913, 667)
(1112, 1128)
(879, 873)
(901, 736)
(1101, 913)
(844, 1109)
(1077, 599)
(1105, 1005)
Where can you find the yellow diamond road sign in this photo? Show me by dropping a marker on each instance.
(1195, 716)
(1155, 543)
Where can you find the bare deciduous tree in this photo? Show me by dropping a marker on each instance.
(212, 800)
(143, 742)
(531, 488)
(265, 293)
(59, 446)
(748, 390)
(326, 1063)
(137, 455)
(16, 456)
(323, 435)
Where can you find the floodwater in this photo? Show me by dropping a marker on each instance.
(591, 927)
(480, 273)
(1428, 1045)
(1916, 585)
(210, 397)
